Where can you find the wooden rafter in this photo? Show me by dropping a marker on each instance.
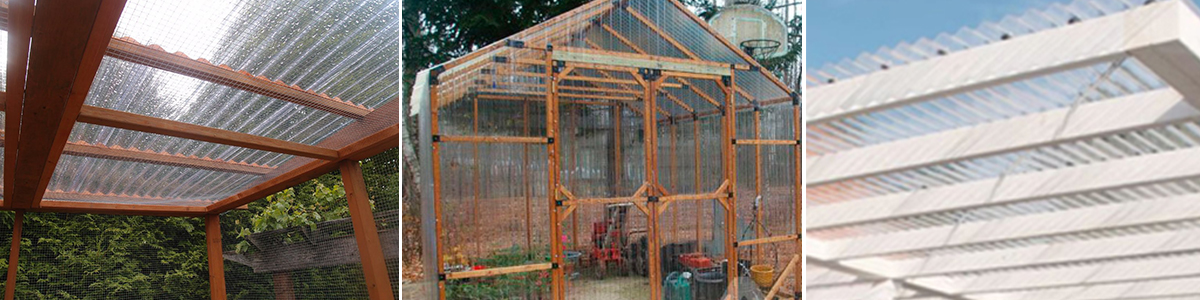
(639, 50)
(68, 42)
(130, 50)
(133, 154)
(119, 209)
(378, 131)
(19, 23)
(131, 121)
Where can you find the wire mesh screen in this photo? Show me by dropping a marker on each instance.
(301, 244)
(82, 256)
(6, 225)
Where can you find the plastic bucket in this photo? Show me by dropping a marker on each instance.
(710, 284)
(763, 275)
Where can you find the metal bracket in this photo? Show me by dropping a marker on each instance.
(550, 140)
(795, 99)
(437, 138)
(441, 277)
(733, 141)
(695, 117)
(486, 71)
(726, 80)
(735, 244)
(652, 199)
(558, 203)
(500, 59)
(650, 74)
(754, 68)
(514, 43)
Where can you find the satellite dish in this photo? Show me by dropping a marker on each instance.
(759, 33)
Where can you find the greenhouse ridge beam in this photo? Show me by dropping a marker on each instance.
(69, 40)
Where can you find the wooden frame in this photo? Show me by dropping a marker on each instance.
(14, 254)
(366, 234)
(216, 260)
(68, 42)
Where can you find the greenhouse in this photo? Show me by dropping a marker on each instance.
(622, 150)
(1047, 155)
(138, 136)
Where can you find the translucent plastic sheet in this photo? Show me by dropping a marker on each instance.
(302, 71)
(1055, 15)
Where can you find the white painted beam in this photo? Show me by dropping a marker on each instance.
(1163, 289)
(1139, 111)
(1106, 217)
(1137, 270)
(1133, 171)
(1143, 245)
(1023, 57)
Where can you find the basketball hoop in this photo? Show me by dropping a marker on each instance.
(760, 48)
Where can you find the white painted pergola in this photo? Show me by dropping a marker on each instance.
(1053, 155)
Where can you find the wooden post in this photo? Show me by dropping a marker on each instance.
(730, 163)
(216, 260)
(282, 284)
(674, 183)
(617, 158)
(436, 174)
(10, 287)
(573, 117)
(799, 185)
(556, 252)
(365, 232)
(758, 211)
(527, 183)
(699, 210)
(650, 129)
(475, 177)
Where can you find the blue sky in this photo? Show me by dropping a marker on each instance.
(839, 29)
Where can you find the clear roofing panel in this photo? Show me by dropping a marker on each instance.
(1055, 15)
(648, 27)
(332, 53)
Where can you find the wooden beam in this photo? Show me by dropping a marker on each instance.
(498, 271)
(758, 142)
(19, 27)
(767, 240)
(365, 232)
(154, 56)
(782, 276)
(68, 42)
(131, 121)
(133, 154)
(51, 205)
(216, 259)
(493, 139)
(14, 251)
(633, 60)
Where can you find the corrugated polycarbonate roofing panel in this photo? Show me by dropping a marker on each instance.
(342, 50)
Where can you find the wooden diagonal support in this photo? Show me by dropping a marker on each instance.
(782, 277)
(69, 39)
